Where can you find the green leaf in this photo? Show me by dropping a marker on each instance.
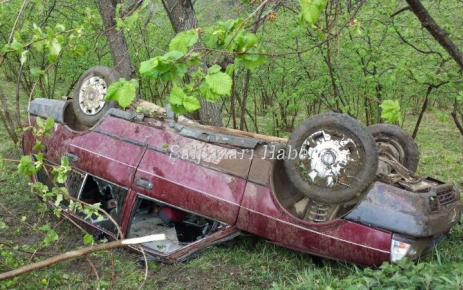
(88, 239)
(26, 166)
(59, 199)
(168, 67)
(207, 94)
(16, 46)
(311, 9)
(177, 95)
(147, 67)
(179, 110)
(252, 61)
(24, 56)
(54, 47)
(50, 237)
(129, 21)
(184, 40)
(122, 91)
(230, 24)
(57, 212)
(191, 104)
(61, 177)
(172, 55)
(230, 69)
(3, 225)
(213, 69)
(40, 123)
(390, 111)
(48, 126)
(245, 41)
(36, 72)
(219, 83)
(64, 161)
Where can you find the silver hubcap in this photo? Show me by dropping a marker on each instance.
(328, 155)
(91, 96)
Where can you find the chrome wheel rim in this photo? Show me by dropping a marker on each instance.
(92, 94)
(330, 158)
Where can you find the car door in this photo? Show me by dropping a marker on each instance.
(193, 175)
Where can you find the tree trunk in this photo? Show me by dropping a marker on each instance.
(245, 97)
(423, 110)
(455, 115)
(116, 39)
(182, 17)
(7, 119)
(436, 31)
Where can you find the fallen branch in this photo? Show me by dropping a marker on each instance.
(80, 253)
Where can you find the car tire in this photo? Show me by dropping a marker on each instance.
(398, 143)
(88, 103)
(331, 158)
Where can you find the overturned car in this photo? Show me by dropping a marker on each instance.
(335, 189)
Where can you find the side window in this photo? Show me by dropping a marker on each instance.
(110, 197)
(91, 190)
(181, 228)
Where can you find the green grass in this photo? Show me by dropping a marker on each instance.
(441, 150)
(246, 263)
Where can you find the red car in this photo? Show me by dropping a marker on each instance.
(336, 189)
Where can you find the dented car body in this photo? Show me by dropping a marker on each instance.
(201, 187)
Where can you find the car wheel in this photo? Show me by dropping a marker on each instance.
(396, 142)
(331, 158)
(88, 103)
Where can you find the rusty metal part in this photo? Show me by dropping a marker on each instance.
(320, 213)
(392, 171)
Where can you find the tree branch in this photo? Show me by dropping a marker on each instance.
(79, 253)
(399, 11)
(436, 31)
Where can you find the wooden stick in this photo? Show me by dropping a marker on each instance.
(80, 253)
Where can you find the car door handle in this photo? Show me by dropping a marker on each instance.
(71, 156)
(143, 182)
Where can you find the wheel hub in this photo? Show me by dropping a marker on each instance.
(328, 157)
(91, 96)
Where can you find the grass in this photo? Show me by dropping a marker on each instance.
(441, 148)
(246, 263)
